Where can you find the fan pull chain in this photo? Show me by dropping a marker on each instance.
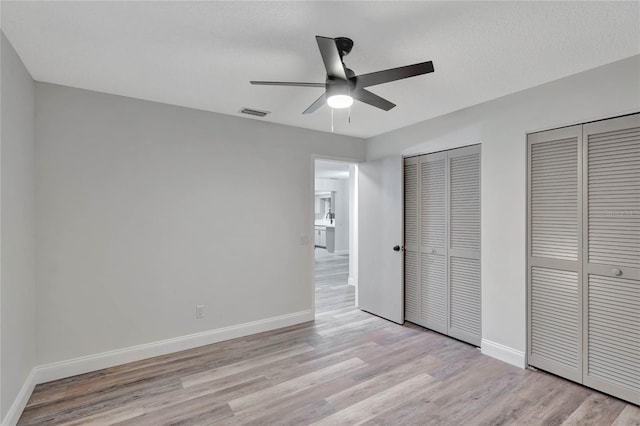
(331, 120)
(349, 115)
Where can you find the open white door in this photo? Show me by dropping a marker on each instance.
(380, 220)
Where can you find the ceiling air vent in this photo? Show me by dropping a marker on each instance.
(255, 112)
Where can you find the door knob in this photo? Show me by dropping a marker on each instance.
(396, 248)
(616, 271)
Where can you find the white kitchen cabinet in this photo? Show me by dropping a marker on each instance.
(325, 237)
(330, 239)
(321, 236)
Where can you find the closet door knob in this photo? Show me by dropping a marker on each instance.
(616, 271)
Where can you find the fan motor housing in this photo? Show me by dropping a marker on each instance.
(344, 45)
(339, 87)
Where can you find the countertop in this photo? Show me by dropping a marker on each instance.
(327, 224)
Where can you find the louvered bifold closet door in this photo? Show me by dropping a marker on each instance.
(612, 256)
(411, 248)
(464, 244)
(554, 256)
(433, 245)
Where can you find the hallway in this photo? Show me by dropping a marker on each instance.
(332, 291)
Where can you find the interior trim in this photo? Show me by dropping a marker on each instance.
(503, 353)
(62, 369)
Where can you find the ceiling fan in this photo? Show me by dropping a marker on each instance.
(342, 86)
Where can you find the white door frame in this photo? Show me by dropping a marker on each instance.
(311, 206)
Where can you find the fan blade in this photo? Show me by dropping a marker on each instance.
(316, 104)
(286, 83)
(331, 57)
(379, 77)
(372, 99)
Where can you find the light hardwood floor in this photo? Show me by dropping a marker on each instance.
(347, 367)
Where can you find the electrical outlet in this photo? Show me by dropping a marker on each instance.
(199, 311)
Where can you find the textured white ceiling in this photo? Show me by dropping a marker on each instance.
(203, 54)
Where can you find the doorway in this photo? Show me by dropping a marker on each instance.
(335, 235)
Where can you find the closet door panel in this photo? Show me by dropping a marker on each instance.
(465, 199)
(554, 235)
(555, 340)
(433, 314)
(464, 315)
(433, 202)
(554, 195)
(613, 188)
(433, 254)
(613, 336)
(411, 232)
(464, 244)
(411, 290)
(612, 250)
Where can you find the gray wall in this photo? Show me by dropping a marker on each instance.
(17, 204)
(146, 209)
(501, 127)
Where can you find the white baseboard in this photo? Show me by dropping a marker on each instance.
(341, 252)
(86, 364)
(16, 409)
(503, 353)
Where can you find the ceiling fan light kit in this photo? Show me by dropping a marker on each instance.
(339, 95)
(340, 101)
(342, 85)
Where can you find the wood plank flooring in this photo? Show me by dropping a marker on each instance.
(347, 367)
